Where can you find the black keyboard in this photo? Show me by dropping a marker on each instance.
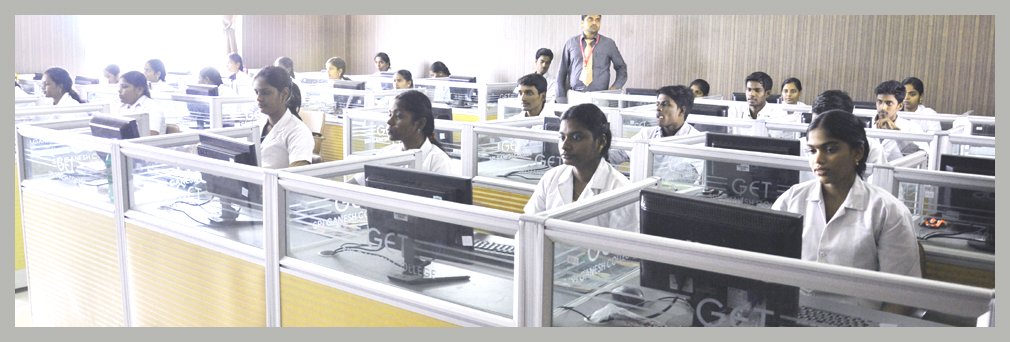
(819, 318)
(484, 246)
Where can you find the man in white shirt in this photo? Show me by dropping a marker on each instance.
(544, 57)
(758, 85)
(890, 95)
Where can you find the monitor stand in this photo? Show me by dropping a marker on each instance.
(414, 265)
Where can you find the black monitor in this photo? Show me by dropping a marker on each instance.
(983, 130)
(415, 236)
(201, 89)
(200, 111)
(969, 210)
(346, 101)
(808, 117)
(114, 127)
(864, 104)
(753, 184)
(773, 98)
(443, 136)
(718, 223)
(551, 154)
(739, 97)
(467, 79)
(640, 91)
(233, 194)
(710, 110)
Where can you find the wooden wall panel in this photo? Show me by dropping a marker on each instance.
(308, 39)
(953, 55)
(43, 41)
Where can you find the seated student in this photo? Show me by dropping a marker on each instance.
(57, 85)
(673, 105)
(210, 76)
(403, 79)
(438, 69)
(286, 140)
(335, 67)
(791, 90)
(532, 95)
(413, 125)
(111, 73)
(890, 95)
(699, 88)
(154, 71)
(847, 221)
(381, 62)
(136, 98)
(584, 141)
(238, 79)
(542, 64)
(837, 99)
(913, 103)
(295, 102)
(758, 85)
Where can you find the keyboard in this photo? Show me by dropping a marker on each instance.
(532, 171)
(820, 318)
(494, 248)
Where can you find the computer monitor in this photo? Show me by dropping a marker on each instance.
(710, 110)
(983, 130)
(467, 79)
(342, 102)
(444, 113)
(201, 89)
(864, 104)
(808, 117)
(233, 194)
(739, 96)
(418, 237)
(718, 223)
(551, 154)
(114, 127)
(969, 210)
(773, 98)
(640, 91)
(753, 184)
(84, 80)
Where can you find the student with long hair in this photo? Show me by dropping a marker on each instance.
(287, 141)
(57, 85)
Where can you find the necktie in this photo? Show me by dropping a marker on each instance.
(587, 63)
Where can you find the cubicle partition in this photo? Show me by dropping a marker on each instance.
(469, 101)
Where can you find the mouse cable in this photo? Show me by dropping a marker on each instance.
(672, 302)
(185, 213)
(572, 309)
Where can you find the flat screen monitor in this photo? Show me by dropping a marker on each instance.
(739, 97)
(233, 194)
(808, 117)
(443, 136)
(201, 89)
(551, 153)
(718, 223)
(969, 210)
(114, 127)
(864, 104)
(773, 98)
(342, 102)
(466, 79)
(416, 237)
(640, 91)
(710, 110)
(983, 130)
(753, 184)
(84, 80)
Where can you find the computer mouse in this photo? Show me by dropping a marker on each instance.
(628, 295)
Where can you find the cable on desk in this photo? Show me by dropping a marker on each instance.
(955, 235)
(185, 213)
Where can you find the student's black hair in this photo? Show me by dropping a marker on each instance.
(234, 57)
(439, 67)
(211, 74)
(844, 126)
(338, 63)
(16, 84)
(590, 116)
(278, 78)
(383, 56)
(702, 85)
(137, 80)
(793, 80)
(287, 63)
(916, 83)
(891, 87)
(832, 99)
(112, 69)
(419, 107)
(406, 75)
(760, 77)
(158, 66)
(536, 80)
(544, 52)
(295, 100)
(681, 95)
(62, 78)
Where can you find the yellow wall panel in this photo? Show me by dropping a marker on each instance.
(19, 243)
(74, 263)
(179, 284)
(333, 146)
(305, 303)
(497, 199)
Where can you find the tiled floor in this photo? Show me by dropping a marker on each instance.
(22, 310)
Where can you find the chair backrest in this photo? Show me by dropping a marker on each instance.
(314, 119)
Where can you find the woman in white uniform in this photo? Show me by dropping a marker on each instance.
(238, 79)
(286, 139)
(913, 103)
(584, 142)
(136, 98)
(57, 85)
(413, 125)
(848, 221)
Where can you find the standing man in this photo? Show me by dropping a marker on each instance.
(585, 62)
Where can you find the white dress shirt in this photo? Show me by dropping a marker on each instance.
(147, 105)
(893, 149)
(556, 186)
(871, 230)
(927, 125)
(433, 159)
(287, 142)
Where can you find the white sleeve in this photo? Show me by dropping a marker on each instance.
(538, 201)
(300, 144)
(897, 248)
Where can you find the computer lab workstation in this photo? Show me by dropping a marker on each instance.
(186, 230)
